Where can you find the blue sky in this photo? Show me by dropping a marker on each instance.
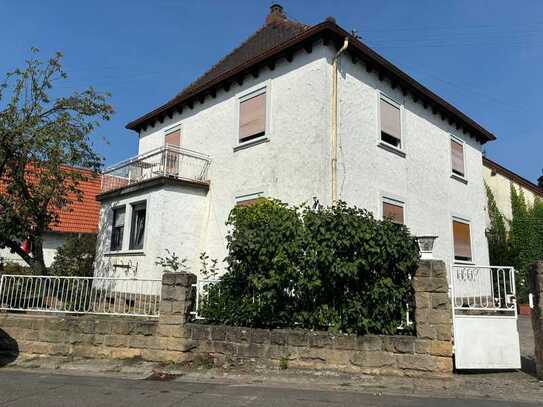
(484, 57)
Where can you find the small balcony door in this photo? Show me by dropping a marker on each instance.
(172, 157)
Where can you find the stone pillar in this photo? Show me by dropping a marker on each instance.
(176, 301)
(535, 283)
(433, 314)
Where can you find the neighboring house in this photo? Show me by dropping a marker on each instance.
(79, 217)
(499, 179)
(260, 123)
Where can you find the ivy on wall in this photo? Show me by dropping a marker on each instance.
(519, 241)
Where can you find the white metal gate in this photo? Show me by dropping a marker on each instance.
(485, 317)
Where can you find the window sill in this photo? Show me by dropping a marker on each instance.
(392, 149)
(251, 143)
(464, 263)
(125, 253)
(459, 178)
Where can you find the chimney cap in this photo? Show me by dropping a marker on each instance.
(276, 15)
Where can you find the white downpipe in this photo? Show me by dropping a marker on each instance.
(333, 161)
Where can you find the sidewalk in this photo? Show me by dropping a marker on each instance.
(512, 386)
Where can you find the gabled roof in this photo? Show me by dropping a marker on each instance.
(79, 216)
(281, 37)
(277, 29)
(82, 216)
(512, 176)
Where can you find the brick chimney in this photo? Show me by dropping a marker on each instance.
(277, 14)
(540, 182)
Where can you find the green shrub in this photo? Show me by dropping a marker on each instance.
(75, 257)
(333, 268)
(172, 263)
(13, 268)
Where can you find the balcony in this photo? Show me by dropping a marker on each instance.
(167, 161)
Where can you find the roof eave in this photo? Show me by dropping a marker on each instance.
(370, 57)
(494, 166)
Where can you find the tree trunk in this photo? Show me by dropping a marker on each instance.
(38, 264)
(36, 261)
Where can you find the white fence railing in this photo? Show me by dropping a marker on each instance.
(167, 161)
(86, 295)
(201, 287)
(483, 288)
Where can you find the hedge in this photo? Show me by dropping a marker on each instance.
(334, 268)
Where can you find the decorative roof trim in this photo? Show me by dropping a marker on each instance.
(328, 30)
(494, 166)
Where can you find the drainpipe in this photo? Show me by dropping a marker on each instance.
(334, 120)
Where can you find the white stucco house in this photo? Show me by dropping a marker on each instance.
(274, 119)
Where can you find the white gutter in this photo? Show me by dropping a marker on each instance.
(333, 160)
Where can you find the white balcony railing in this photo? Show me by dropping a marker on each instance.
(166, 161)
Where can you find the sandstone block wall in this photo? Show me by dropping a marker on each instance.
(171, 338)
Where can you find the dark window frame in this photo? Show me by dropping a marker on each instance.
(117, 232)
(138, 226)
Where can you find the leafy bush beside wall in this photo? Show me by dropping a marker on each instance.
(333, 268)
(75, 257)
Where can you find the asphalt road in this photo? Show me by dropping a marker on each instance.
(36, 390)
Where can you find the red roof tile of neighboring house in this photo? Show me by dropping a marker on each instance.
(80, 216)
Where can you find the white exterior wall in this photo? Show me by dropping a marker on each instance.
(51, 243)
(294, 165)
(421, 179)
(501, 189)
(174, 218)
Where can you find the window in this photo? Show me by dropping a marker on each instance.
(462, 240)
(391, 128)
(393, 210)
(173, 137)
(457, 157)
(246, 202)
(117, 230)
(248, 199)
(252, 117)
(137, 229)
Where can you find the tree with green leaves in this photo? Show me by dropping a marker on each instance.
(42, 137)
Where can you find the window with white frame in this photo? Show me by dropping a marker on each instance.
(117, 230)
(461, 240)
(393, 210)
(391, 123)
(171, 158)
(248, 199)
(457, 157)
(252, 116)
(137, 226)
(172, 137)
